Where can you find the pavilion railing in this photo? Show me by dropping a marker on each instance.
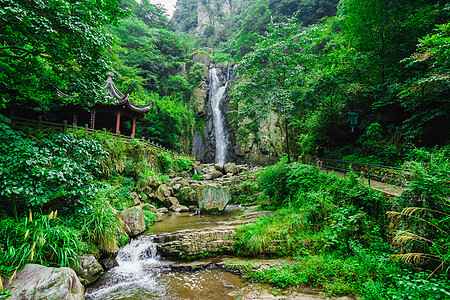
(392, 175)
(50, 127)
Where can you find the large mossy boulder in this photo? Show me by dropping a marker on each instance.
(88, 269)
(212, 198)
(40, 282)
(134, 220)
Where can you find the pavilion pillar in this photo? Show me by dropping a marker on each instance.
(92, 119)
(133, 128)
(117, 122)
(75, 119)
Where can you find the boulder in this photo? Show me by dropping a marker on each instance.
(219, 167)
(155, 182)
(176, 187)
(135, 198)
(162, 192)
(134, 220)
(163, 210)
(230, 168)
(171, 201)
(40, 282)
(212, 197)
(149, 207)
(216, 174)
(179, 208)
(108, 263)
(88, 270)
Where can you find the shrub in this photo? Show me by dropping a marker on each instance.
(165, 162)
(425, 213)
(273, 182)
(197, 177)
(181, 164)
(149, 218)
(57, 168)
(99, 223)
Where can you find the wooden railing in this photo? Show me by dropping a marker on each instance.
(392, 175)
(50, 127)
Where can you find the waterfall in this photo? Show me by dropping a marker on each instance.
(217, 92)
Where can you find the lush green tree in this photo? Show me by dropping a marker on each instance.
(272, 76)
(153, 15)
(427, 92)
(51, 44)
(168, 123)
(150, 57)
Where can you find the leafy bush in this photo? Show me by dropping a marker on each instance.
(181, 164)
(165, 162)
(424, 211)
(59, 167)
(99, 223)
(149, 218)
(408, 286)
(273, 182)
(336, 274)
(197, 177)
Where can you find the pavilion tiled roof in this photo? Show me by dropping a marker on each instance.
(119, 98)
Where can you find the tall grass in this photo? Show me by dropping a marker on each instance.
(38, 238)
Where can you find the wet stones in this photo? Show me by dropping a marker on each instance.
(187, 243)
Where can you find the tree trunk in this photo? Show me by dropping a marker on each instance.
(287, 140)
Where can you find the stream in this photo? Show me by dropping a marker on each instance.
(143, 274)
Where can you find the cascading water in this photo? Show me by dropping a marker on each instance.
(137, 271)
(142, 274)
(217, 92)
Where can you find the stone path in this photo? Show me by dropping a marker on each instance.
(385, 188)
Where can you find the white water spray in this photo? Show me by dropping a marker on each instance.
(217, 92)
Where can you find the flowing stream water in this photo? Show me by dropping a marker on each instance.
(143, 274)
(217, 93)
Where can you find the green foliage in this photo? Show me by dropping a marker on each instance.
(4, 295)
(168, 123)
(59, 168)
(149, 218)
(197, 177)
(99, 222)
(43, 239)
(54, 44)
(408, 286)
(165, 162)
(181, 164)
(246, 192)
(337, 275)
(273, 181)
(424, 210)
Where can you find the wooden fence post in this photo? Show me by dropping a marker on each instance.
(65, 126)
(11, 116)
(40, 123)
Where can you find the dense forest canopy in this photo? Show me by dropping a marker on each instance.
(52, 44)
(308, 62)
(385, 60)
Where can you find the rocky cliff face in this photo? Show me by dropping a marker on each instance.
(206, 17)
(262, 146)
